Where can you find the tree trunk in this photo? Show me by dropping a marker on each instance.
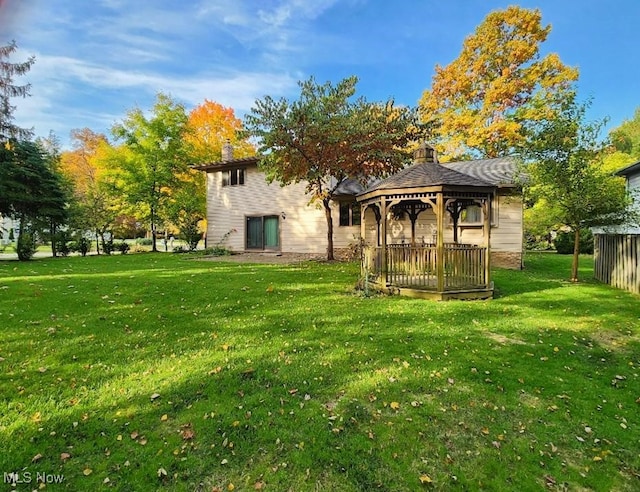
(327, 212)
(154, 247)
(576, 255)
(97, 241)
(54, 246)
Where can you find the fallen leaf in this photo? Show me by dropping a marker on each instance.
(87, 471)
(394, 405)
(485, 431)
(65, 456)
(37, 457)
(231, 487)
(425, 479)
(164, 418)
(155, 396)
(162, 472)
(258, 486)
(134, 435)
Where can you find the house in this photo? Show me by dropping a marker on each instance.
(617, 248)
(246, 213)
(250, 214)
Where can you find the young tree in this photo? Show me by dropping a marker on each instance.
(326, 136)
(565, 167)
(8, 90)
(479, 102)
(96, 204)
(154, 154)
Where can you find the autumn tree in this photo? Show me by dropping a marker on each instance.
(326, 136)
(154, 152)
(9, 90)
(96, 205)
(478, 103)
(565, 156)
(211, 125)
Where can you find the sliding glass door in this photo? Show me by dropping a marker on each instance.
(263, 232)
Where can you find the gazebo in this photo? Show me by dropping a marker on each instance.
(431, 263)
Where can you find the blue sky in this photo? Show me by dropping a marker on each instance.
(97, 59)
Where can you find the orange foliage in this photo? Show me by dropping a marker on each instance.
(480, 100)
(84, 165)
(210, 126)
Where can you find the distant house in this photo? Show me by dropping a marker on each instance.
(617, 248)
(253, 215)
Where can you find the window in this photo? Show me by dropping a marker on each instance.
(471, 215)
(349, 213)
(233, 177)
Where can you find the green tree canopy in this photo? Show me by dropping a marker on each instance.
(565, 156)
(153, 154)
(477, 104)
(625, 143)
(326, 136)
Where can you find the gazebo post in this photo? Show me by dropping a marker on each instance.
(486, 226)
(440, 241)
(383, 238)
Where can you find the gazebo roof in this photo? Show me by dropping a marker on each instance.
(428, 174)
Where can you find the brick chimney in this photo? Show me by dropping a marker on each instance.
(227, 151)
(425, 153)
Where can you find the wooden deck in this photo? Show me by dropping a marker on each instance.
(413, 270)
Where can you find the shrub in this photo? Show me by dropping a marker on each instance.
(123, 247)
(108, 247)
(82, 246)
(26, 246)
(61, 241)
(144, 241)
(180, 250)
(564, 242)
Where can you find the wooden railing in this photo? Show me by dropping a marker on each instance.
(464, 266)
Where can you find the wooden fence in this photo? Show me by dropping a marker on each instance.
(616, 260)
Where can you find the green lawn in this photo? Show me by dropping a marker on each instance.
(153, 371)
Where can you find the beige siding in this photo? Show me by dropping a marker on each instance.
(303, 228)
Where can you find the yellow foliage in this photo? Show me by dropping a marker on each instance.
(480, 99)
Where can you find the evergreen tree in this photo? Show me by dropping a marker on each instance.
(8, 90)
